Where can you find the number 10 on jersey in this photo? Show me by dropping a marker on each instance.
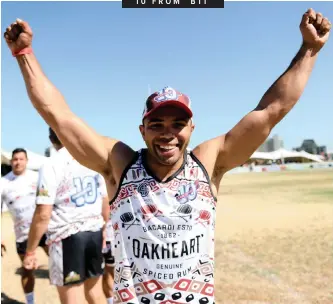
(86, 191)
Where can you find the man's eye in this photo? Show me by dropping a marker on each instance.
(179, 125)
(155, 126)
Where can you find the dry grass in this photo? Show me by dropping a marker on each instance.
(274, 239)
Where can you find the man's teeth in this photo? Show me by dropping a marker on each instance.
(167, 147)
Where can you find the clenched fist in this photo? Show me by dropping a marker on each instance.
(315, 29)
(30, 261)
(18, 36)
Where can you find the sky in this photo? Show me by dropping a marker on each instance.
(104, 59)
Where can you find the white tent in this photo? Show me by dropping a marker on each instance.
(285, 154)
(261, 155)
(35, 160)
(316, 158)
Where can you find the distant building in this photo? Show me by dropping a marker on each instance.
(329, 156)
(271, 144)
(310, 146)
(322, 150)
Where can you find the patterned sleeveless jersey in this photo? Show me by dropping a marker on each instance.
(164, 235)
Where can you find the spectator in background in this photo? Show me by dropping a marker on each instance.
(18, 193)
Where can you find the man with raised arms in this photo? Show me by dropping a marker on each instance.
(165, 183)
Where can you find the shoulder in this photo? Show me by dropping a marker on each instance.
(207, 153)
(49, 168)
(58, 161)
(120, 157)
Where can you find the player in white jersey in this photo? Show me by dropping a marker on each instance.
(163, 212)
(69, 207)
(18, 193)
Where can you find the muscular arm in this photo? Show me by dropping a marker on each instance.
(236, 147)
(38, 226)
(239, 143)
(45, 197)
(88, 147)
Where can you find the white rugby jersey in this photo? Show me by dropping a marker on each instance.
(164, 235)
(18, 192)
(75, 193)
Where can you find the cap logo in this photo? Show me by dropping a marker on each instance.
(165, 94)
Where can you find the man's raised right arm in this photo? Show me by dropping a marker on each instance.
(88, 147)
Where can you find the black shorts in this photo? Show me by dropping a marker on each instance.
(82, 257)
(108, 255)
(21, 247)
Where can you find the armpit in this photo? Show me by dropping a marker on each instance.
(218, 173)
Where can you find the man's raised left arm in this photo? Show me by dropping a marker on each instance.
(236, 147)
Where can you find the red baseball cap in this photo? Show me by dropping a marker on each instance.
(167, 97)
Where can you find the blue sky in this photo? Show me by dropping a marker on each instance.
(103, 57)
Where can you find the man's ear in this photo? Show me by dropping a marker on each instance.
(142, 130)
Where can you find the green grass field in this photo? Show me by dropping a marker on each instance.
(274, 242)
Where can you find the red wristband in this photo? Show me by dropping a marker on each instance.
(30, 253)
(25, 51)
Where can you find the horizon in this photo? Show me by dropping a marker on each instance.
(270, 137)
